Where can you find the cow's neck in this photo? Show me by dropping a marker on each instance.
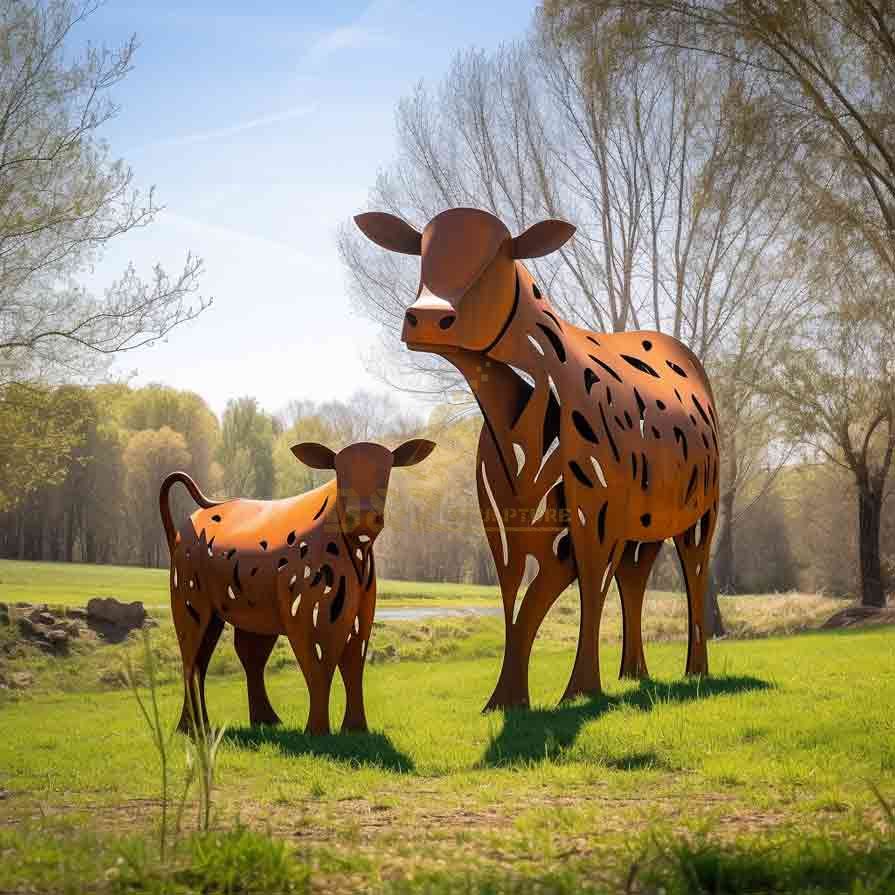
(502, 394)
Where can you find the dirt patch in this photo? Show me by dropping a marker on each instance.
(860, 617)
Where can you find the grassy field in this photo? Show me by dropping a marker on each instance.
(762, 778)
(72, 584)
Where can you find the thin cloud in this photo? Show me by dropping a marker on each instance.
(241, 127)
(250, 242)
(357, 35)
(348, 37)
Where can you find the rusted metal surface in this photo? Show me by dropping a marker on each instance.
(596, 447)
(302, 566)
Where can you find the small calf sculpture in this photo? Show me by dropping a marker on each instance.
(302, 566)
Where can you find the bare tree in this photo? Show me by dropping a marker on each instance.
(62, 199)
(666, 167)
(828, 68)
(826, 71)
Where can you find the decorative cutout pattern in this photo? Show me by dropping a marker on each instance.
(605, 417)
(334, 562)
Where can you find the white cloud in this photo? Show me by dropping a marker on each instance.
(348, 37)
(283, 252)
(365, 31)
(241, 127)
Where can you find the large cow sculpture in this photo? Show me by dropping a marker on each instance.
(302, 567)
(595, 447)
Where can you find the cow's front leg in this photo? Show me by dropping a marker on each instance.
(512, 686)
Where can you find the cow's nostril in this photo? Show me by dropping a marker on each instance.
(380, 520)
(411, 318)
(447, 322)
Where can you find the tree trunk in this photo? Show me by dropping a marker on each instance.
(869, 513)
(723, 566)
(713, 623)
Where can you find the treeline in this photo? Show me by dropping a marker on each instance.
(80, 471)
(94, 497)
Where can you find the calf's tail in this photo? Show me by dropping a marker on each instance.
(165, 507)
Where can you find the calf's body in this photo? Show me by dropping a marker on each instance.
(302, 567)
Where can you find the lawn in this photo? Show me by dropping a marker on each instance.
(766, 771)
(72, 584)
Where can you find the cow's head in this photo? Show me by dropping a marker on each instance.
(468, 275)
(362, 474)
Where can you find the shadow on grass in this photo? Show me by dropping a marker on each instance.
(534, 735)
(357, 749)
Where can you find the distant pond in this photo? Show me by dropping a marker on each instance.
(417, 613)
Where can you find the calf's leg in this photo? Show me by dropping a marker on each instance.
(198, 632)
(318, 673)
(353, 659)
(254, 650)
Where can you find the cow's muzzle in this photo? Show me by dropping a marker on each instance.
(428, 321)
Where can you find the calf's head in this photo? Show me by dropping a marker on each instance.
(362, 474)
(467, 289)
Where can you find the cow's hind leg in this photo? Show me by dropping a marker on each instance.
(631, 576)
(595, 571)
(254, 650)
(693, 548)
(198, 635)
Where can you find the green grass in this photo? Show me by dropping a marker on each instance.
(72, 584)
(58, 859)
(758, 779)
(789, 736)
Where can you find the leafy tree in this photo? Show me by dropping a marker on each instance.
(39, 428)
(149, 456)
(246, 450)
(155, 406)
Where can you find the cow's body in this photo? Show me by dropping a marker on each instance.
(302, 567)
(595, 447)
(582, 476)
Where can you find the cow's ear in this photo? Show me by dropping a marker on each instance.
(315, 455)
(412, 452)
(390, 232)
(542, 239)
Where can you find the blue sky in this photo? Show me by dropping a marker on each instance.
(262, 132)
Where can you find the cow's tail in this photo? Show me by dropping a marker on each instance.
(165, 507)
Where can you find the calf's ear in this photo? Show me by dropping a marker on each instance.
(390, 232)
(315, 455)
(412, 452)
(542, 239)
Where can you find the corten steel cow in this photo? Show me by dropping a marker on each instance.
(595, 446)
(302, 567)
